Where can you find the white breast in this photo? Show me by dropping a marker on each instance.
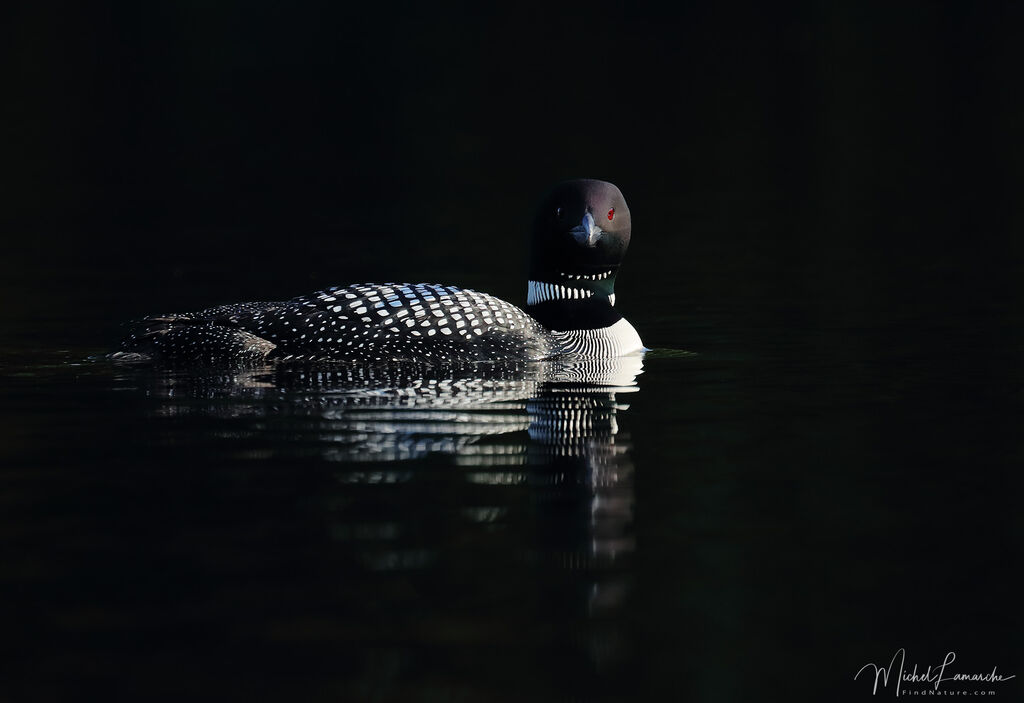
(619, 339)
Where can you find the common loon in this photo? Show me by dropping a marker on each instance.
(579, 238)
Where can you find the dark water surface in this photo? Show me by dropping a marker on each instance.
(790, 486)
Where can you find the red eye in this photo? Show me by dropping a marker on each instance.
(611, 213)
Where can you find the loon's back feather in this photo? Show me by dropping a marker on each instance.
(420, 322)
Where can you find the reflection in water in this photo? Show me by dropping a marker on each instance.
(539, 435)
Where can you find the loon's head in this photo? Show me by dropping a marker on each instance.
(580, 235)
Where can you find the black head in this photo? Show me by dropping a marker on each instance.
(581, 230)
(580, 235)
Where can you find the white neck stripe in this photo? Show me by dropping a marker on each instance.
(538, 292)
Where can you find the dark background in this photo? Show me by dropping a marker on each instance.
(869, 149)
(826, 208)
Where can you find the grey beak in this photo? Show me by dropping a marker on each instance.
(587, 232)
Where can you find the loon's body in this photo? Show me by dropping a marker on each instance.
(570, 307)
